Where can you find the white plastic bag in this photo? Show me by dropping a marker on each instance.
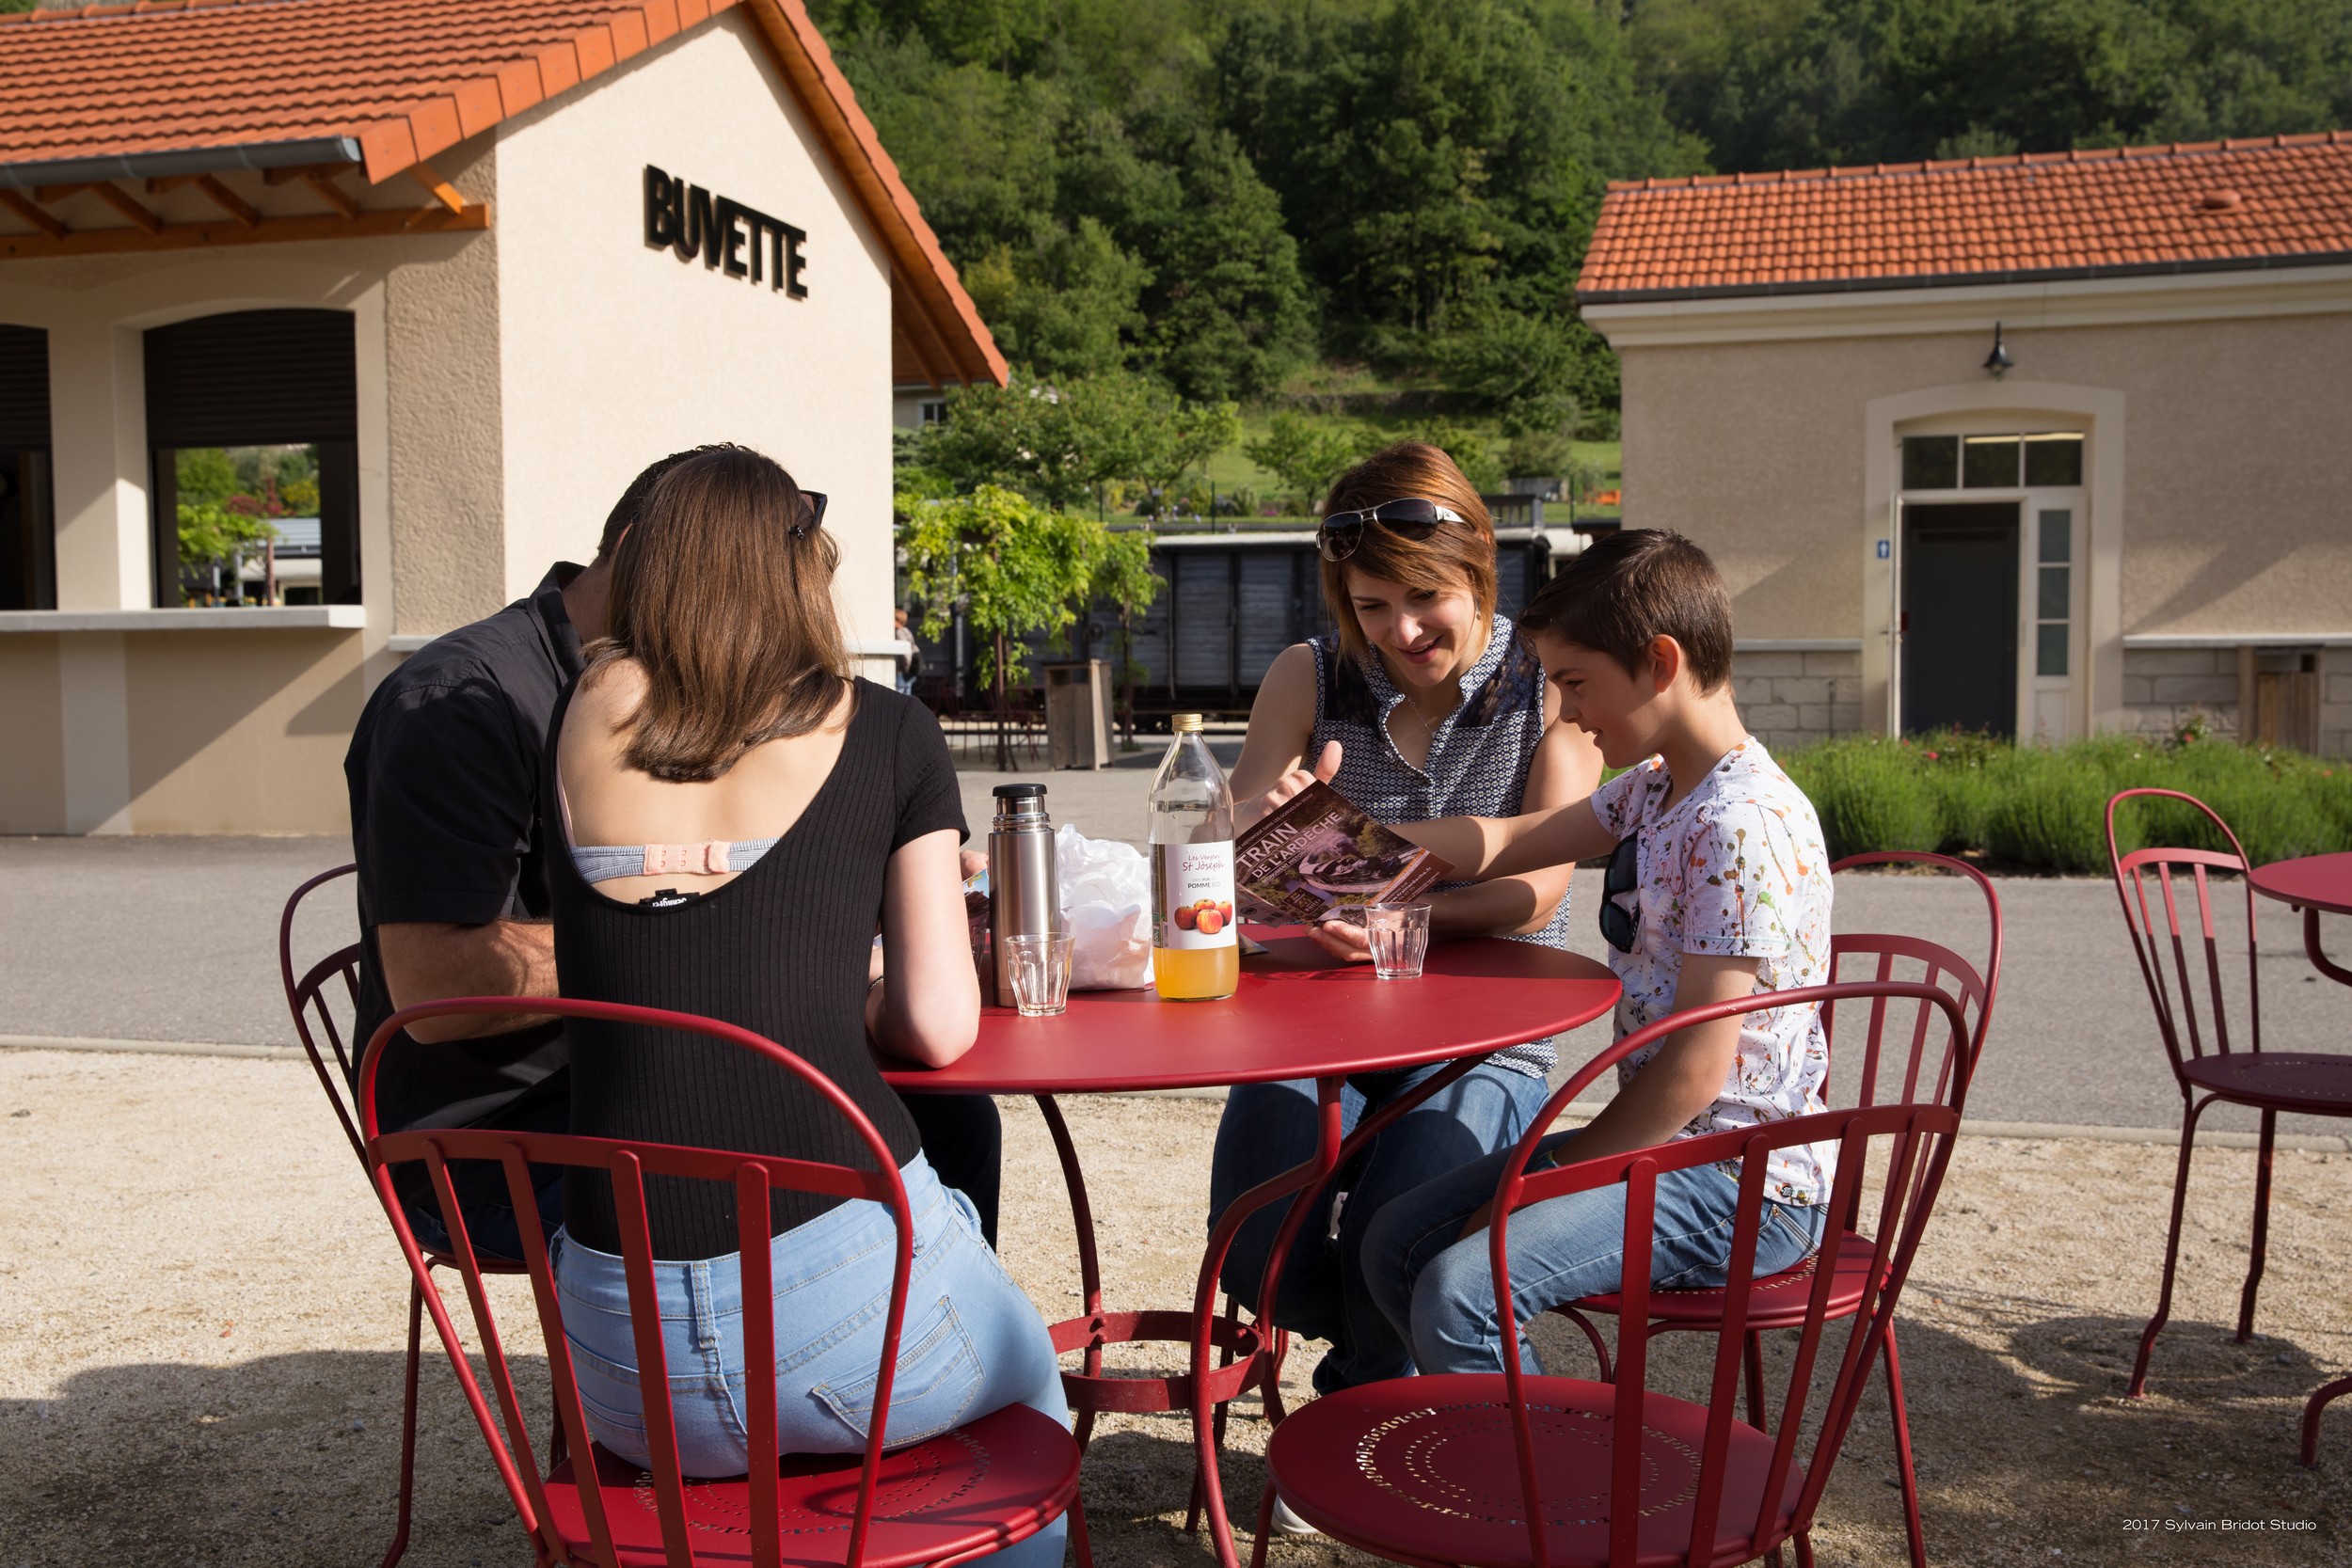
(1105, 889)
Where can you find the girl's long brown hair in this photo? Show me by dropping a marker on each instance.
(1458, 555)
(727, 612)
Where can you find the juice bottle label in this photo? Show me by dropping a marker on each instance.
(1195, 884)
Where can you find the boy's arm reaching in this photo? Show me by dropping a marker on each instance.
(1483, 846)
(1477, 848)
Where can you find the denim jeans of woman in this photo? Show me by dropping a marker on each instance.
(1437, 1286)
(972, 1342)
(1269, 1128)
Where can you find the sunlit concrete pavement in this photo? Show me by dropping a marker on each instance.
(175, 939)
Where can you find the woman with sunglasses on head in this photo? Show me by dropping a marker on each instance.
(1423, 703)
(739, 816)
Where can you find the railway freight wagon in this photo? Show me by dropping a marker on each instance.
(1230, 602)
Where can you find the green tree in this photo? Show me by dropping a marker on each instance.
(1065, 306)
(1778, 84)
(1123, 576)
(1306, 453)
(1432, 156)
(1013, 567)
(212, 535)
(1023, 436)
(204, 475)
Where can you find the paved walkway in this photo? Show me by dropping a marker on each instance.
(175, 940)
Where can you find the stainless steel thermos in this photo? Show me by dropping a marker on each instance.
(1024, 897)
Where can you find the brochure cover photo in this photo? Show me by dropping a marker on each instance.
(1316, 857)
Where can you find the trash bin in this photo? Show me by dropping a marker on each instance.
(1078, 713)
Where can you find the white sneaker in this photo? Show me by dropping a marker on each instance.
(1287, 1523)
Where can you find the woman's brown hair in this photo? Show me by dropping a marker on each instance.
(723, 593)
(1457, 555)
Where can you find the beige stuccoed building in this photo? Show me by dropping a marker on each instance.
(2046, 445)
(437, 252)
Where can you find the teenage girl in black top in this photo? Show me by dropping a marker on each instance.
(740, 816)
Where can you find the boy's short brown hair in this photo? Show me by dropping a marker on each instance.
(1632, 587)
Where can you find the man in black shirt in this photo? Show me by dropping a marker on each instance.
(447, 828)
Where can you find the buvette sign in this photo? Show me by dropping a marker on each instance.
(741, 241)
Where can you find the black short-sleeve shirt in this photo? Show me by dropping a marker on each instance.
(444, 771)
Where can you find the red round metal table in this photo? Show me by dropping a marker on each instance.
(2314, 883)
(1299, 1013)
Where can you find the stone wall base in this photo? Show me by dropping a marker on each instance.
(1794, 699)
(2167, 687)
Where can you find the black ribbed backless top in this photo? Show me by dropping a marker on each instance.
(781, 950)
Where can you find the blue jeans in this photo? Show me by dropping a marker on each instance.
(1269, 1128)
(1438, 1287)
(972, 1344)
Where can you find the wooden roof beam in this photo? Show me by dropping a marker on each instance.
(918, 332)
(141, 217)
(323, 186)
(228, 202)
(443, 192)
(23, 207)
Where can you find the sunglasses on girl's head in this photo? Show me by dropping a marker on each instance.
(816, 499)
(1618, 924)
(1410, 517)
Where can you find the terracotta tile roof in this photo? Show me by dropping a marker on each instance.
(405, 79)
(2273, 201)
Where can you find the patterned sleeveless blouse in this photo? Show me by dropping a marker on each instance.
(1477, 763)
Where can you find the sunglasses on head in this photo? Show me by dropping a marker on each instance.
(816, 499)
(1408, 517)
(1618, 923)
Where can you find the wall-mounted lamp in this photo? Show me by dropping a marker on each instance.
(1998, 362)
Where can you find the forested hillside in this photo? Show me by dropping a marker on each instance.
(1232, 195)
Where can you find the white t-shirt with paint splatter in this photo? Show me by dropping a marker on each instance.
(1736, 868)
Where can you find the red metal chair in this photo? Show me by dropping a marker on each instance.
(2270, 1081)
(312, 1001)
(1442, 1469)
(969, 1491)
(1780, 1301)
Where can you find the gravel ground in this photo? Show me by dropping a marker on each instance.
(204, 1366)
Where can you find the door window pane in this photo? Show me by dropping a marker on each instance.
(1930, 462)
(2053, 605)
(2050, 656)
(2056, 537)
(2054, 460)
(2053, 602)
(1989, 463)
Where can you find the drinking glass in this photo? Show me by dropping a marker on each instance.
(1399, 936)
(1040, 974)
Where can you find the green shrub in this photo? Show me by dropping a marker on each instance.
(2047, 812)
(2039, 809)
(1868, 795)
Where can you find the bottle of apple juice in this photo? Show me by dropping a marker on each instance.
(1196, 954)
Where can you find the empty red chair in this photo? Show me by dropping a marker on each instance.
(327, 989)
(1891, 1067)
(975, 1489)
(1442, 1469)
(2207, 1064)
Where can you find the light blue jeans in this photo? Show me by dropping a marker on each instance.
(972, 1343)
(1269, 1128)
(1438, 1287)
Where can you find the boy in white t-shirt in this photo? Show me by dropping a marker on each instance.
(1718, 887)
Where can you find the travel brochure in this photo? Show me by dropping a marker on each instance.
(1316, 857)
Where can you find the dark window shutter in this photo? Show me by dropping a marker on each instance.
(24, 389)
(250, 378)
